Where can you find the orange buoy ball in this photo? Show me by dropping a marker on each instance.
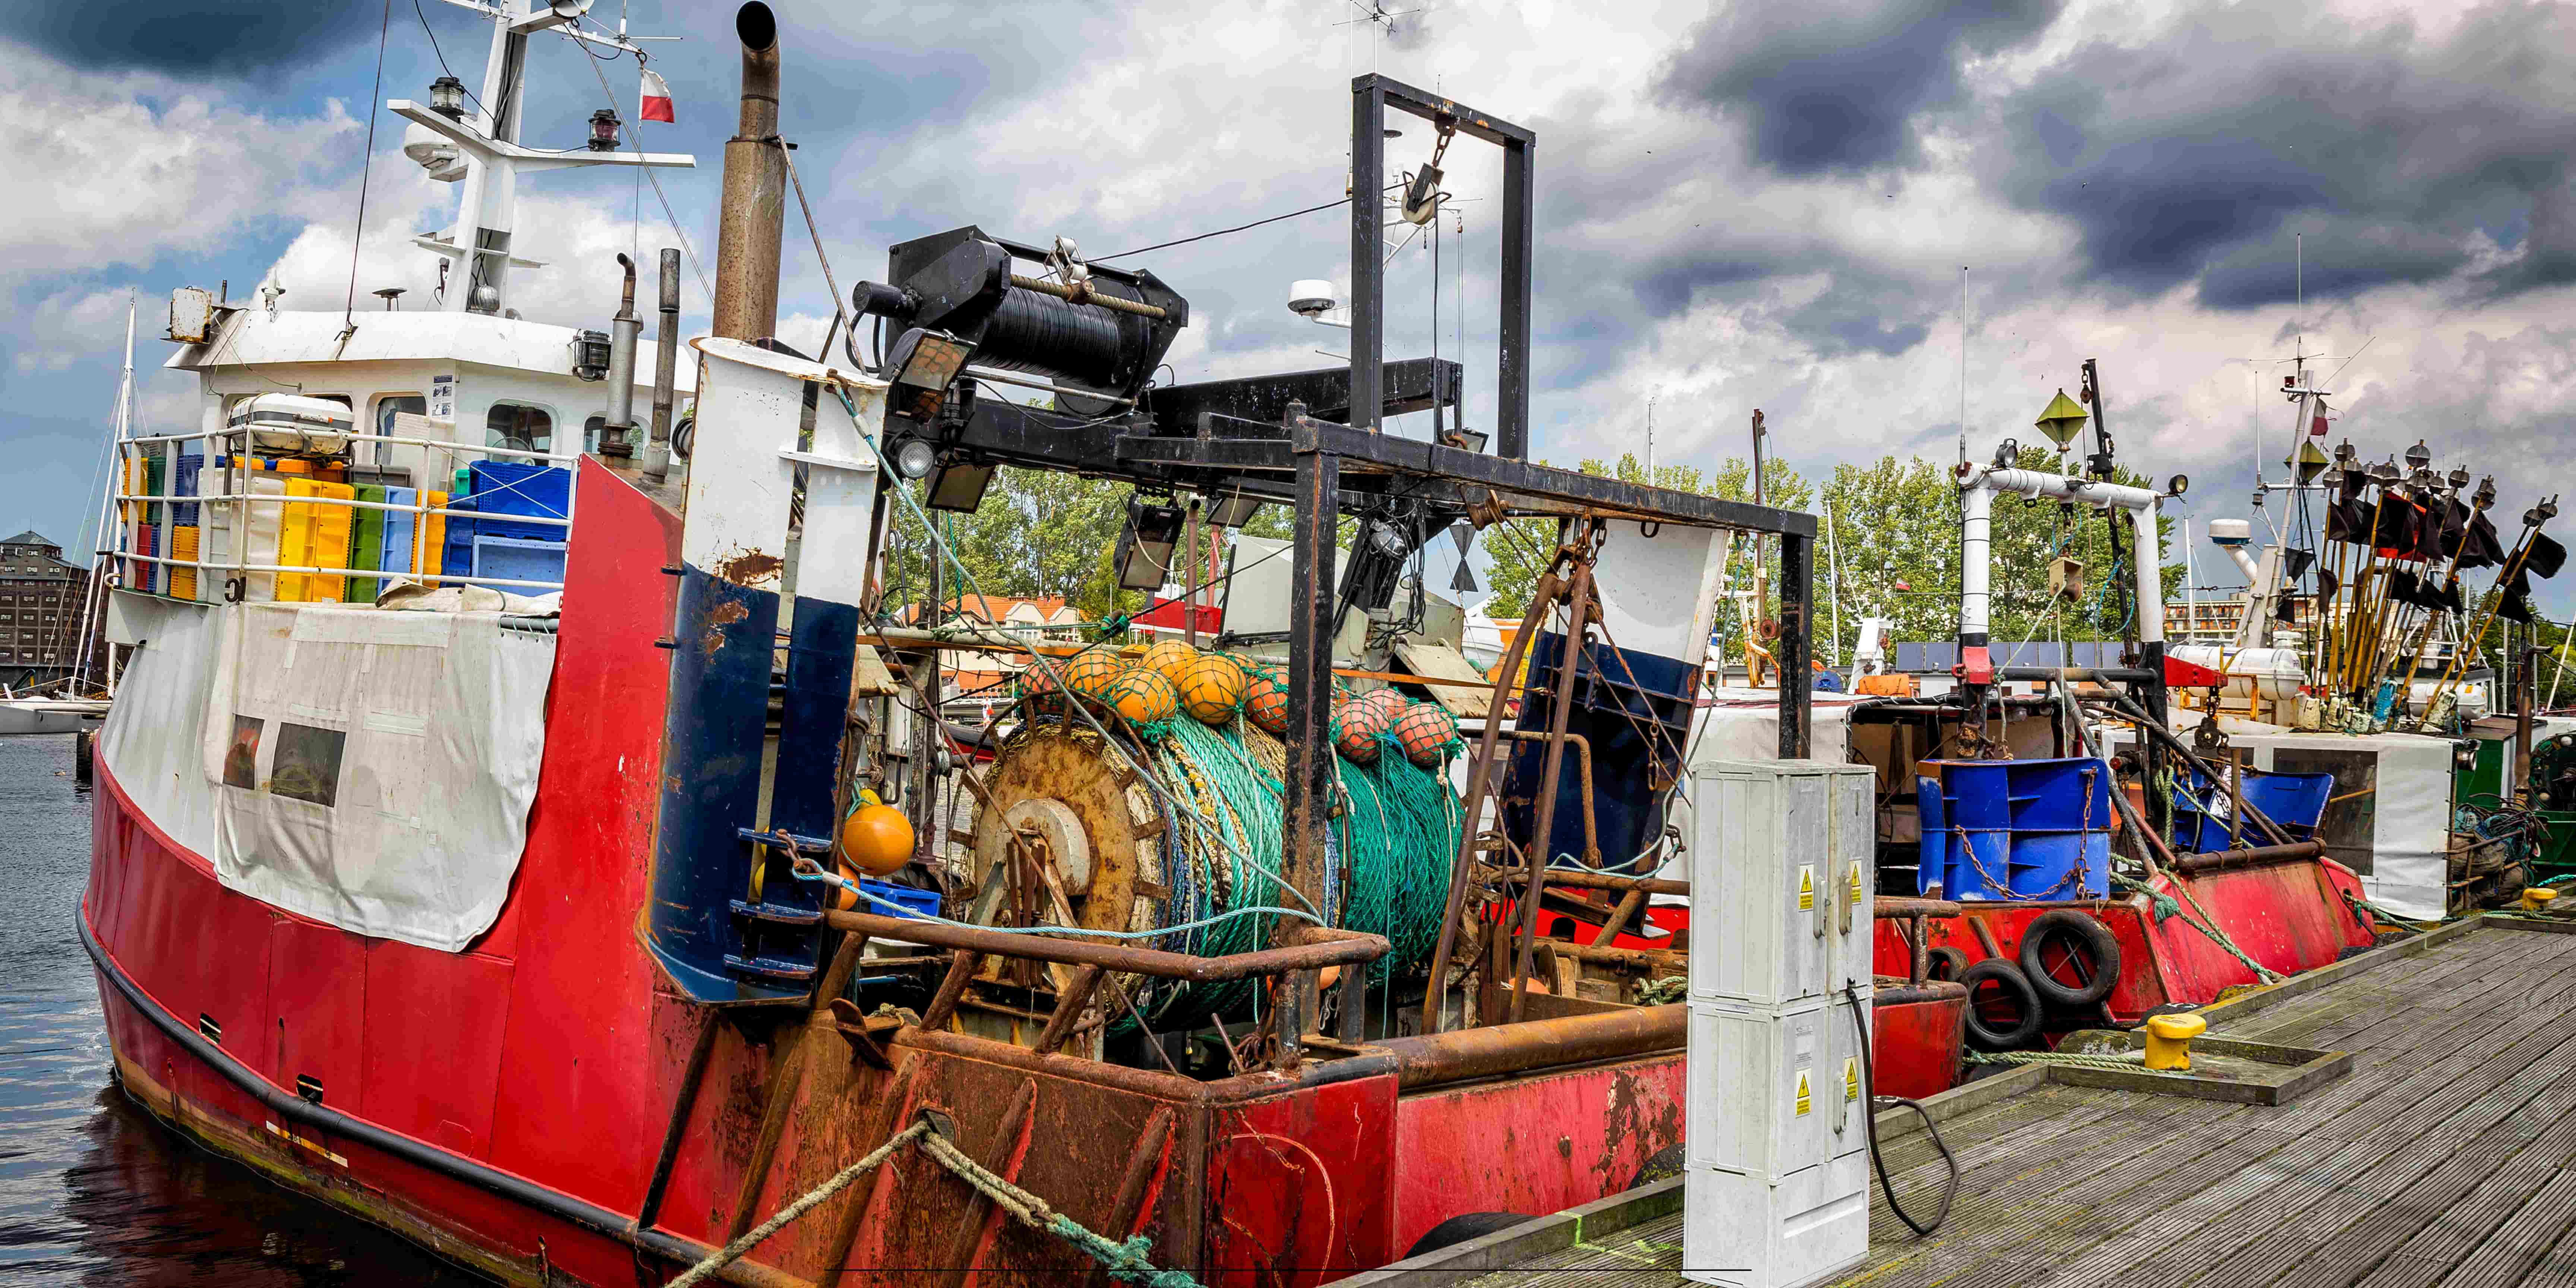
(1388, 702)
(1171, 657)
(1425, 731)
(875, 839)
(1090, 674)
(1141, 696)
(1211, 688)
(1265, 700)
(1361, 723)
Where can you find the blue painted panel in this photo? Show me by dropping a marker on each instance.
(719, 713)
(1621, 696)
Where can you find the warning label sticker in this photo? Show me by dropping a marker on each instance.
(1806, 1099)
(1851, 1079)
(1806, 889)
(1855, 883)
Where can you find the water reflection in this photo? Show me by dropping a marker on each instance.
(92, 1190)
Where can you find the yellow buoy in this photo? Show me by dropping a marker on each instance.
(2536, 898)
(1170, 658)
(1211, 688)
(2169, 1040)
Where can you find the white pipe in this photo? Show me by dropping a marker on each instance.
(1978, 485)
(2244, 563)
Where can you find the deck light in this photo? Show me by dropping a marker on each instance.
(603, 130)
(447, 97)
(1232, 510)
(958, 486)
(1146, 544)
(928, 362)
(590, 355)
(915, 458)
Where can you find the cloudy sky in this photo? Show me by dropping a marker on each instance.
(1741, 205)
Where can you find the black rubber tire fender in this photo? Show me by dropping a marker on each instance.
(2016, 988)
(1461, 1228)
(2088, 939)
(1942, 962)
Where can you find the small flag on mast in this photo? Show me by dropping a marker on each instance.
(657, 99)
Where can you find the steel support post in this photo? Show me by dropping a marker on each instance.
(1310, 777)
(1797, 686)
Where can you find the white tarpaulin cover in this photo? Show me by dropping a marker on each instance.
(368, 769)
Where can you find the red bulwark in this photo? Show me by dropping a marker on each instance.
(578, 1073)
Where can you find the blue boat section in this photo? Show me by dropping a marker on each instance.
(1635, 709)
(728, 921)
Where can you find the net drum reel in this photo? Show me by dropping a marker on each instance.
(1096, 333)
(1095, 820)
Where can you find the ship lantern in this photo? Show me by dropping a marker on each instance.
(447, 97)
(2062, 421)
(603, 130)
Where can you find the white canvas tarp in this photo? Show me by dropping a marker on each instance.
(368, 769)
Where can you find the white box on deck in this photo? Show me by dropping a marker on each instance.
(1781, 881)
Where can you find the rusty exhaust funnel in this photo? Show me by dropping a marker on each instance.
(755, 190)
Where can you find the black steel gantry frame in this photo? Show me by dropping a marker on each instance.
(1314, 440)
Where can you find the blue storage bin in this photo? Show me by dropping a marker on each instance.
(1979, 860)
(2060, 865)
(511, 487)
(190, 466)
(2295, 801)
(922, 902)
(399, 528)
(2071, 794)
(1932, 862)
(519, 559)
(1979, 792)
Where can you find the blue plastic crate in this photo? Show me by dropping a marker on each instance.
(2070, 794)
(519, 559)
(1978, 861)
(399, 530)
(190, 466)
(1979, 792)
(923, 902)
(2061, 865)
(511, 487)
(1932, 862)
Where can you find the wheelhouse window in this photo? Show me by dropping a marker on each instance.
(590, 433)
(389, 406)
(519, 426)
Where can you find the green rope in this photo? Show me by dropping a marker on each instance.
(2166, 908)
(1124, 1261)
(2061, 1057)
(1664, 991)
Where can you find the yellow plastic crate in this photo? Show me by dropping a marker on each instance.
(183, 545)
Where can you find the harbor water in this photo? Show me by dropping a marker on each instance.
(93, 1191)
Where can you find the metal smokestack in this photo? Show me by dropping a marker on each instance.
(666, 357)
(618, 437)
(755, 190)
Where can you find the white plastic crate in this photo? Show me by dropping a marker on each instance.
(1781, 881)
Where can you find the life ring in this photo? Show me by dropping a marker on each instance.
(2012, 989)
(2070, 959)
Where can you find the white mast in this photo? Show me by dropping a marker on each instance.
(120, 427)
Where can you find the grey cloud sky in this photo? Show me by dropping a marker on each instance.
(1740, 204)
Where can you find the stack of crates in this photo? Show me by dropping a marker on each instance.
(2015, 829)
(510, 549)
(184, 543)
(1776, 1153)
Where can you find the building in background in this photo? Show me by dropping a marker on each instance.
(41, 602)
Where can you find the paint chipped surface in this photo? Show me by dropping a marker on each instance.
(755, 568)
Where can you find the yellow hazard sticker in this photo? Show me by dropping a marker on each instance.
(1806, 891)
(1851, 1079)
(1806, 1101)
(1855, 883)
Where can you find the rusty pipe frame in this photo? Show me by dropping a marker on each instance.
(1595, 880)
(752, 219)
(1543, 824)
(1308, 948)
(1435, 1059)
(1890, 907)
(2192, 865)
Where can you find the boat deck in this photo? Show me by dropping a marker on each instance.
(2446, 1156)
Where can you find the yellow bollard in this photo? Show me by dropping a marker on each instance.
(2169, 1040)
(2536, 898)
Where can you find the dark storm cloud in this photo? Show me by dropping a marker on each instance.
(197, 38)
(2403, 158)
(1836, 85)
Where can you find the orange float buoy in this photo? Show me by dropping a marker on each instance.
(1425, 731)
(1211, 688)
(1090, 674)
(1170, 657)
(1361, 723)
(1140, 695)
(1265, 699)
(875, 839)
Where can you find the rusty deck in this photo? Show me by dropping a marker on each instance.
(2447, 1156)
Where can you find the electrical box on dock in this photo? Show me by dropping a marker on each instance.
(1776, 1154)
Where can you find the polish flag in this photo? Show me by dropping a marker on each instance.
(657, 99)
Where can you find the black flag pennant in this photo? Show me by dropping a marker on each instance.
(2451, 596)
(2515, 608)
(2347, 521)
(2546, 557)
(2327, 583)
(2405, 587)
(2294, 563)
(2481, 548)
